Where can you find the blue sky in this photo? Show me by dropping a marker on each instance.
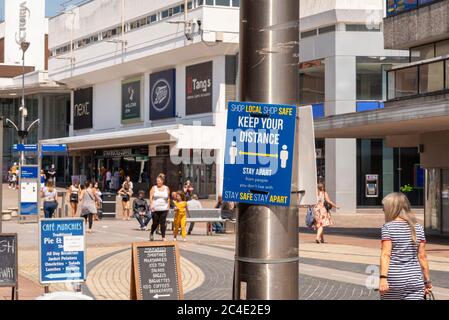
(52, 7)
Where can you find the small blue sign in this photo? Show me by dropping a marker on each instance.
(259, 153)
(49, 148)
(62, 250)
(24, 147)
(29, 209)
(31, 172)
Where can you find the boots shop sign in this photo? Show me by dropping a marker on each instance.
(199, 86)
(82, 109)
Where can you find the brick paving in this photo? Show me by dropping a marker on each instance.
(335, 270)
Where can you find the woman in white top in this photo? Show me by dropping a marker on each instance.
(73, 196)
(88, 200)
(49, 195)
(159, 205)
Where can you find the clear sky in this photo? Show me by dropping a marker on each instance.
(52, 7)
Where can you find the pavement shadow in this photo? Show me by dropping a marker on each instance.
(372, 233)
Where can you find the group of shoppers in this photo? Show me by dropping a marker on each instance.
(404, 268)
(88, 198)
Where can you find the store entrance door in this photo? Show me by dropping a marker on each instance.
(202, 177)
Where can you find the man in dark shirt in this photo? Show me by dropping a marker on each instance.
(141, 211)
(52, 174)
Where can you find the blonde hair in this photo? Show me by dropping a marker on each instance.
(397, 205)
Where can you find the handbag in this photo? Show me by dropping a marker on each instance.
(328, 206)
(429, 296)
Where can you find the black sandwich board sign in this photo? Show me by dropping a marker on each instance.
(8, 263)
(155, 271)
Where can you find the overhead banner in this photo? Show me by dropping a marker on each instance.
(163, 95)
(259, 151)
(199, 88)
(131, 107)
(82, 109)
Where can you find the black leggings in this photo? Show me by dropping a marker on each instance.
(159, 218)
(90, 218)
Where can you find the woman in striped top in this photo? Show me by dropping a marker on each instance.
(404, 270)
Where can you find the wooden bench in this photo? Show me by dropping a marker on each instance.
(6, 215)
(14, 211)
(200, 215)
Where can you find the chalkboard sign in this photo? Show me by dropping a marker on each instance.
(8, 262)
(155, 271)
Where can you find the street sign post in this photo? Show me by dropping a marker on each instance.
(62, 251)
(259, 150)
(29, 188)
(25, 148)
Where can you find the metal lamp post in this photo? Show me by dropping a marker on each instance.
(267, 236)
(23, 110)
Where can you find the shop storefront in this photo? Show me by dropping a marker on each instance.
(437, 201)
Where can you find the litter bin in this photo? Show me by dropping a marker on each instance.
(109, 205)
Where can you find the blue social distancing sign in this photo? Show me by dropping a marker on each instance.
(62, 250)
(259, 150)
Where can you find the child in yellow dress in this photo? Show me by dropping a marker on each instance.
(181, 212)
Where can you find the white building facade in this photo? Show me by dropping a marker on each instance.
(147, 83)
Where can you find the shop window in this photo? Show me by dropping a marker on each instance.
(442, 48)
(422, 53)
(236, 3)
(226, 3)
(406, 82)
(210, 2)
(312, 82)
(369, 81)
(431, 77)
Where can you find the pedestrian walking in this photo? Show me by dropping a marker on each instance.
(99, 215)
(73, 193)
(108, 180)
(14, 175)
(322, 214)
(193, 204)
(125, 193)
(159, 205)
(88, 200)
(404, 269)
(181, 214)
(49, 195)
(52, 174)
(141, 211)
(130, 184)
(43, 178)
(188, 189)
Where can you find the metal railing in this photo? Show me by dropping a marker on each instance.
(423, 78)
(395, 7)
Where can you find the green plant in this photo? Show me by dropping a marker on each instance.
(407, 188)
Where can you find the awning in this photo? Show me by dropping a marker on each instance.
(132, 137)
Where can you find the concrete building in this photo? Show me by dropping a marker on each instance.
(343, 70)
(46, 100)
(416, 112)
(147, 82)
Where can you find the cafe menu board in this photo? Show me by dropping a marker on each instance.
(8, 260)
(155, 271)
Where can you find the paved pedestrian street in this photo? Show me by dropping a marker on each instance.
(343, 268)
